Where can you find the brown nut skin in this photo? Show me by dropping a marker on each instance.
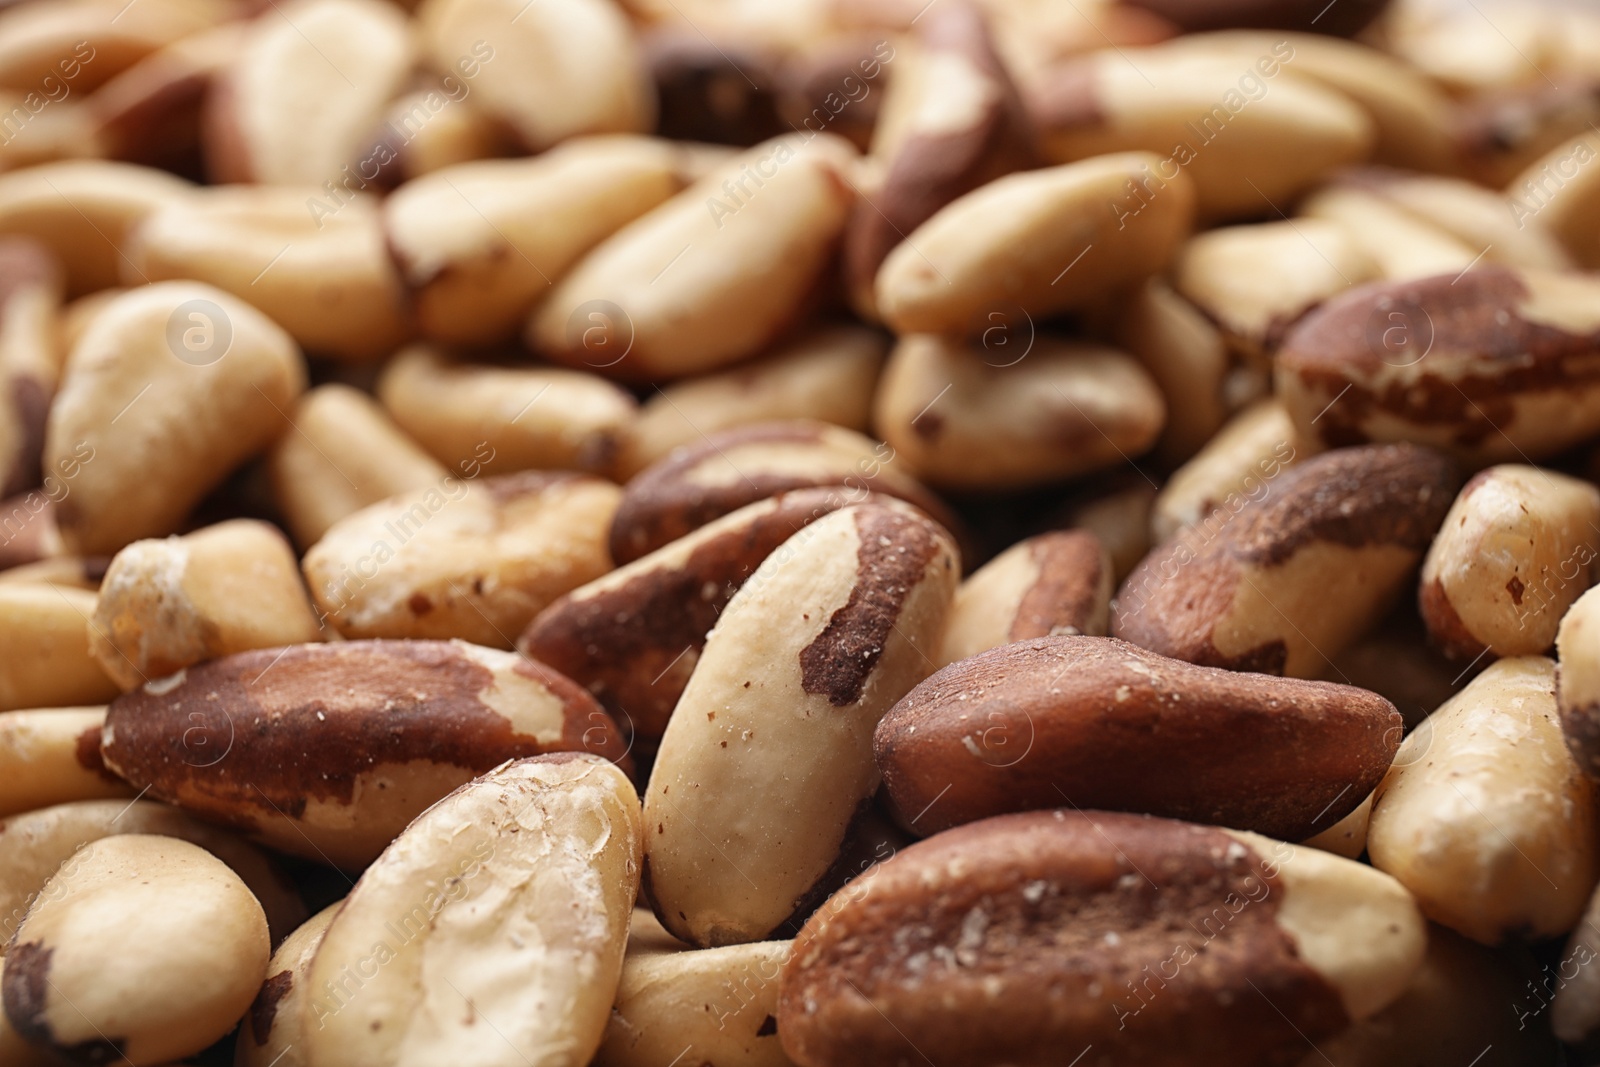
(728, 470)
(1197, 16)
(1113, 727)
(1024, 938)
(1247, 587)
(272, 749)
(30, 298)
(1578, 681)
(1494, 365)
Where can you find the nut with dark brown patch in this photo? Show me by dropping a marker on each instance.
(1578, 681)
(329, 750)
(52, 756)
(1110, 726)
(1248, 586)
(1199, 15)
(273, 1032)
(30, 297)
(1239, 463)
(1025, 938)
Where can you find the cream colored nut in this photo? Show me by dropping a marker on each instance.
(1186, 355)
(1120, 518)
(558, 70)
(512, 894)
(1578, 680)
(172, 386)
(538, 418)
(166, 605)
(76, 316)
(52, 756)
(1495, 365)
(1240, 462)
(722, 1002)
(65, 131)
(1348, 836)
(480, 243)
(1255, 281)
(273, 1033)
(30, 298)
(445, 130)
(326, 278)
(36, 844)
(86, 42)
(1248, 135)
(1561, 192)
(342, 453)
(1466, 53)
(1514, 552)
(44, 648)
(1485, 816)
(827, 374)
(711, 277)
(769, 753)
(308, 90)
(962, 418)
(1055, 583)
(84, 210)
(104, 960)
(1247, 588)
(1043, 241)
(475, 560)
(1401, 244)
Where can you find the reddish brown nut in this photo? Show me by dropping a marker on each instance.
(1248, 587)
(328, 751)
(1107, 725)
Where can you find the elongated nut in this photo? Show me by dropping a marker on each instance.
(539, 418)
(475, 560)
(531, 871)
(87, 42)
(1513, 554)
(1400, 244)
(342, 452)
(966, 419)
(970, 943)
(1113, 727)
(326, 279)
(1495, 365)
(1242, 460)
(52, 756)
(827, 374)
(1578, 681)
(768, 755)
(30, 297)
(1561, 191)
(709, 278)
(1186, 355)
(274, 1030)
(1120, 517)
(177, 377)
(435, 126)
(1486, 817)
(1201, 15)
(271, 748)
(44, 649)
(166, 605)
(480, 243)
(1043, 241)
(308, 88)
(1055, 583)
(1246, 588)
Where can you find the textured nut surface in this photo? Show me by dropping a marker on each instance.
(1486, 817)
(768, 757)
(52, 756)
(512, 894)
(274, 1030)
(44, 648)
(272, 750)
(104, 965)
(1240, 461)
(993, 942)
(1110, 726)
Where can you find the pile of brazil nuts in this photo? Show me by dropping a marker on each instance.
(800, 533)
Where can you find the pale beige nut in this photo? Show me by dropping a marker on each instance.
(166, 605)
(513, 894)
(1578, 681)
(86, 42)
(1466, 53)
(85, 210)
(76, 315)
(45, 660)
(1042, 241)
(151, 389)
(1514, 553)
(325, 278)
(479, 244)
(65, 131)
(342, 453)
(1400, 244)
(1054, 583)
(827, 373)
(769, 753)
(964, 417)
(103, 958)
(1120, 518)
(474, 560)
(36, 844)
(310, 86)
(52, 756)
(1187, 356)
(30, 299)
(1561, 192)
(436, 126)
(709, 278)
(273, 1033)
(558, 70)
(1240, 462)
(1248, 135)
(524, 418)
(1485, 816)
(1348, 836)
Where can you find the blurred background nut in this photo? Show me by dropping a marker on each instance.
(1400, 244)
(30, 297)
(45, 660)
(1561, 190)
(435, 126)
(1239, 462)
(87, 42)
(1192, 15)
(52, 756)
(1186, 355)
(166, 605)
